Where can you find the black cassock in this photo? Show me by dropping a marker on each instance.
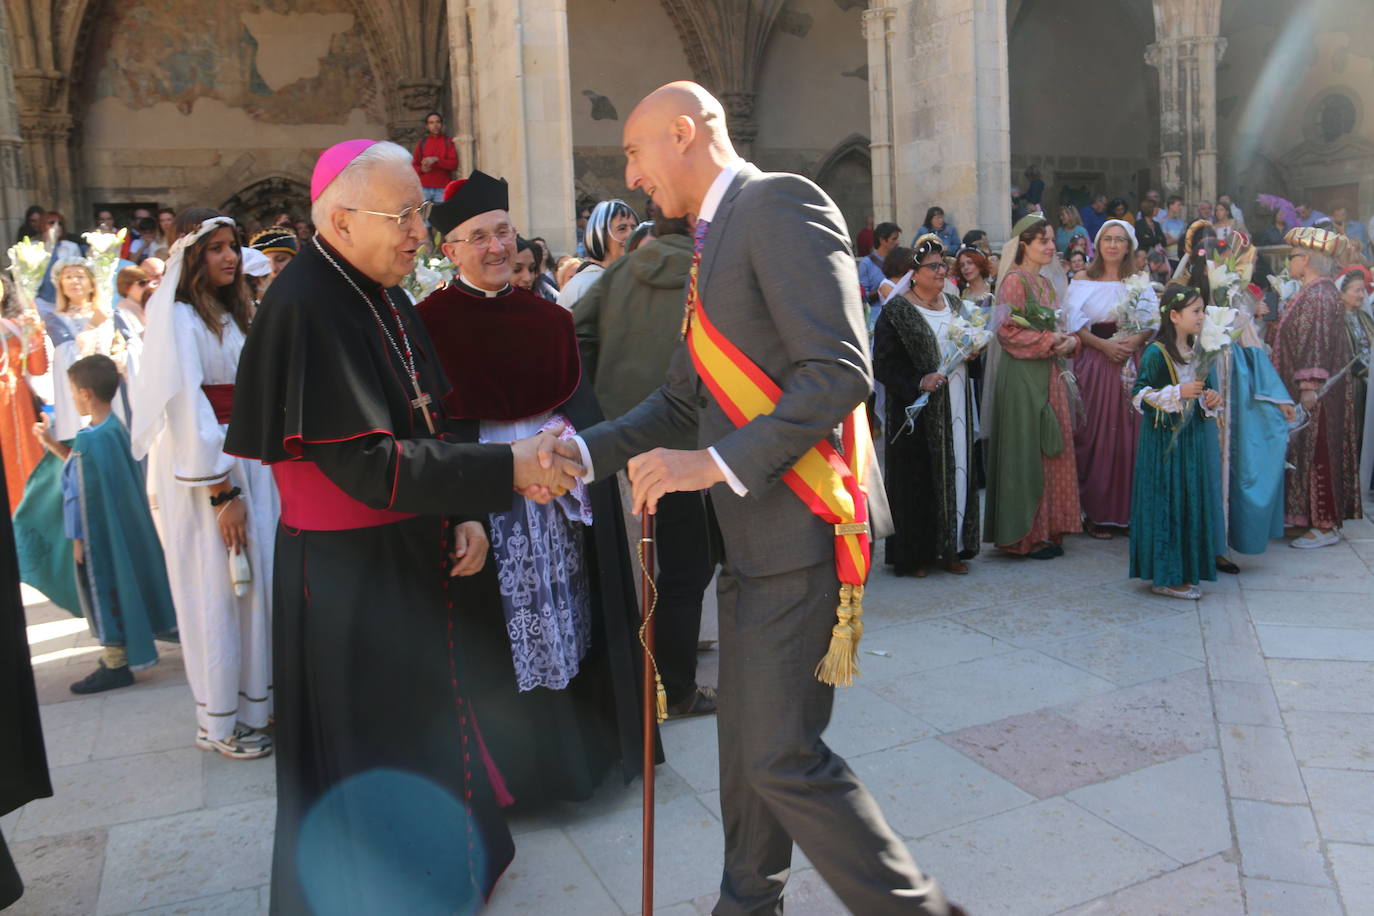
(509, 357)
(23, 760)
(385, 802)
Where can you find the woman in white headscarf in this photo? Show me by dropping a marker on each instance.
(213, 510)
(1105, 443)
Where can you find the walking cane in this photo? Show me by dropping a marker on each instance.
(655, 700)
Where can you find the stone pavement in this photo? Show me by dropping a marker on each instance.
(1048, 737)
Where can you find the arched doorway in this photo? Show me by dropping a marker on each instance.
(1084, 104)
(846, 174)
(263, 199)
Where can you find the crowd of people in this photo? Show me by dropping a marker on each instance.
(1096, 398)
(199, 417)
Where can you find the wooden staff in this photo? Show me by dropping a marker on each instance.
(654, 700)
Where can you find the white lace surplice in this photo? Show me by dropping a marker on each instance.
(544, 591)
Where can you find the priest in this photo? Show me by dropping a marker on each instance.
(548, 634)
(387, 801)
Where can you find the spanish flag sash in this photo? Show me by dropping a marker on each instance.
(831, 484)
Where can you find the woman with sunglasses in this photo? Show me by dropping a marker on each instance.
(608, 229)
(934, 504)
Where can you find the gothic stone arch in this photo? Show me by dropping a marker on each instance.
(846, 174)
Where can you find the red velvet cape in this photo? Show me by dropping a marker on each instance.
(507, 357)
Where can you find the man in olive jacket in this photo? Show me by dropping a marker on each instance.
(628, 324)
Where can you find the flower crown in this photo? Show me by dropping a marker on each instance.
(1177, 298)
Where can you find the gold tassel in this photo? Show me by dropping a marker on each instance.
(841, 663)
(662, 696)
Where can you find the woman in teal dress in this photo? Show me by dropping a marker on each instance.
(1173, 496)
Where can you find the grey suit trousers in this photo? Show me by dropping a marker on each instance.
(779, 781)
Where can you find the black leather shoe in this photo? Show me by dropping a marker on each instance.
(103, 678)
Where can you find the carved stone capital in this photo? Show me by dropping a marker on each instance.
(420, 95)
(38, 90)
(48, 126)
(877, 21)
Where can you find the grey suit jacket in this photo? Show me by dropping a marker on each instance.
(778, 279)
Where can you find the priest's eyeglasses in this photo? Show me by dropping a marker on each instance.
(403, 218)
(503, 234)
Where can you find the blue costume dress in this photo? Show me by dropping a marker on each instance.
(123, 579)
(1258, 436)
(1173, 495)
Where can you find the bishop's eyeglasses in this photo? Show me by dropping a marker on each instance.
(403, 219)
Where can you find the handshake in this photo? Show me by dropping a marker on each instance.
(546, 467)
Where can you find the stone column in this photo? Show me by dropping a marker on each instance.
(951, 123)
(12, 185)
(47, 129)
(1186, 54)
(517, 56)
(878, 32)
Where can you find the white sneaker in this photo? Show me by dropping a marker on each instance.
(233, 747)
(245, 734)
(1318, 539)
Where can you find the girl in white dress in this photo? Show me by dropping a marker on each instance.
(210, 506)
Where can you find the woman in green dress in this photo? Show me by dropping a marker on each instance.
(1173, 493)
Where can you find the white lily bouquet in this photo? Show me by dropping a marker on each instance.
(428, 275)
(1285, 286)
(28, 262)
(1136, 313)
(965, 336)
(1217, 334)
(103, 256)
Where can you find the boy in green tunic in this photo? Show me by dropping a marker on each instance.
(1173, 492)
(120, 572)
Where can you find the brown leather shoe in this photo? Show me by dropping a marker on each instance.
(958, 567)
(700, 702)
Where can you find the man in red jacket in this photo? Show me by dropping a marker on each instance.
(436, 158)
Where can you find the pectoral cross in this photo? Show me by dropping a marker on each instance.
(421, 401)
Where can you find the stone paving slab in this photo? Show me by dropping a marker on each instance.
(1343, 802)
(1323, 686)
(1120, 658)
(1325, 643)
(928, 786)
(1278, 842)
(1178, 807)
(1276, 898)
(549, 875)
(167, 861)
(107, 792)
(61, 873)
(1260, 765)
(1207, 888)
(990, 689)
(1033, 874)
(1354, 870)
(1297, 609)
(1328, 739)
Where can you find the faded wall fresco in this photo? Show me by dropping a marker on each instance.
(189, 104)
(284, 61)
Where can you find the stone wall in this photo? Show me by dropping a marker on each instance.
(810, 96)
(12, 184)
(186, 108)
(1295, 103)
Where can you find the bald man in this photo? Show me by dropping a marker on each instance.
(776, 274)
